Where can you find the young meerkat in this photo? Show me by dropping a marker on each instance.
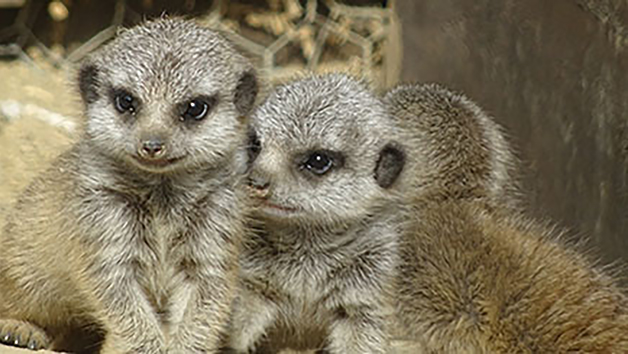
(135, 231)
(318, 271)
(474, 279)
(456, 151)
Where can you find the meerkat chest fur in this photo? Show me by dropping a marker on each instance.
(174, 222)
(164, 243)
(304, 262)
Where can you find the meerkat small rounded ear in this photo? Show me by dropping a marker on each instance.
(389, 165)
(88, 82)
(246, 92)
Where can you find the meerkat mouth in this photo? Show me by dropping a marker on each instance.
(263, 203)
(157, 163)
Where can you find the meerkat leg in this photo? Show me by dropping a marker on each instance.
(23, 334)
(358, 330)
(251, 319)
(130, 321)
(204, 319)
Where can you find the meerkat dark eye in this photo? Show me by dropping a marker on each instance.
(318, 163)
(198, 108)
(125, 102)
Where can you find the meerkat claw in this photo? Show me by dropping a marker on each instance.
(23, 335)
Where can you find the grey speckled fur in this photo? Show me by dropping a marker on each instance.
(147, 254)
(318, 272)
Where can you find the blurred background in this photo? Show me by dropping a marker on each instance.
(553, 73)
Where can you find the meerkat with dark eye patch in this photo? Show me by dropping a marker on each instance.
(474, 275)
(318, 271)
(133, 234)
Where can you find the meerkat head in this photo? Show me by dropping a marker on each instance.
(167, 94)
(455, 150)
(323, 151)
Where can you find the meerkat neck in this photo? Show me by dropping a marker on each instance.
(312, 235)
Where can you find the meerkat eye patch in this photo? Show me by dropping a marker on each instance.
(320, 162)
(88, 83)
(389, 165)
(246, 92)
(124, 102)
(198, 108)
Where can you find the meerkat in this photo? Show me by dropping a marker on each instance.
(475, 279)
(457, 151)
(133, 234)
(318, 271)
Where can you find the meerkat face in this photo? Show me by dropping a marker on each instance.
(323, 150)
(167, 94)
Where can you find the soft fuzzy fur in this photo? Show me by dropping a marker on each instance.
(144, 255)
(318, 272)
(476, 276)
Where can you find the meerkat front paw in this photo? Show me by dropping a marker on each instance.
(23, 334)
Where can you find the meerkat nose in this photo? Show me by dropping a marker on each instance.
(152, 148)
(259, 184)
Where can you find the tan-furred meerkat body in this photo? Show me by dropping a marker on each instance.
(455, 150)
(134, 232)
(475, 275)
(318, 271)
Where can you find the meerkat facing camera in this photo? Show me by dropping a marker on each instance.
(135, 231)
(476, 279)
(318, 271)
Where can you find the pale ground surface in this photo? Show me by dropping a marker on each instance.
(39, 116)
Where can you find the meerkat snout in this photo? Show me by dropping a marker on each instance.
(258, 181)
(259, 185)
(152, 148)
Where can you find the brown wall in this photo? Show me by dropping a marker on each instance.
(555, 74)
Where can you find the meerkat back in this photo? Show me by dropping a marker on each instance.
(475, 275)
(131, 237)
(455, 149)
(475, 282)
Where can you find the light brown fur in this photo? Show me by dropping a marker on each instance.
(128, 243)
(455, 149)
(475, 275)
(475, 282)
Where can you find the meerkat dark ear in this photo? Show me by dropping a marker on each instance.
(389, 165)
(88, 82)
(246, 92)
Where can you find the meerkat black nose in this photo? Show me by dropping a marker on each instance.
(152, 148)
(258, 182)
